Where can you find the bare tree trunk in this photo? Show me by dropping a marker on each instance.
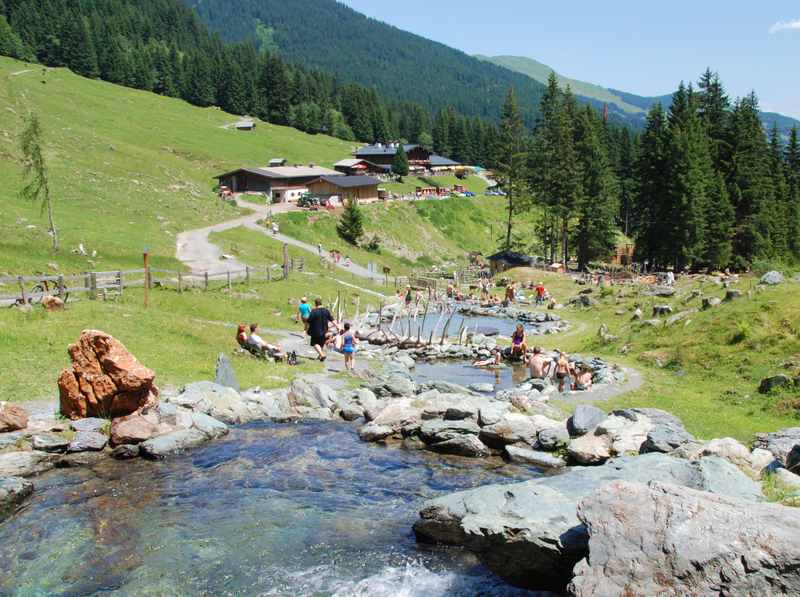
(565, 240)
(510, 214)
(53, 230)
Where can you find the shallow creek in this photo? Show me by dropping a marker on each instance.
(304, 509)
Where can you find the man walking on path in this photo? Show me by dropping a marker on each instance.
(318, 322)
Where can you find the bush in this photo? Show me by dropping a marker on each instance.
(373, 245)
(351, 224)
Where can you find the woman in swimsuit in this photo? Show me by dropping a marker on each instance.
(518, 345)
(349, 342)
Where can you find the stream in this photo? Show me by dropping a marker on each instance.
(271, 509)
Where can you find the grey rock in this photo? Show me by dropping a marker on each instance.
(11, 438)
(397, 386)
(445, 387)
(481, 388)
(88, 441)
(80, 459)
(26, 464)
(462, 445)
(662, 291)
(351, 412)
(90, 424)
(788, 479)
(554, 438)
(492, 412)
(461, 411)
(224, 404)
(654, 540)
(710, 302)
(224, 373)
(591, 448)
(780, 443)
(405, 360)
(667, 434)
(513, 428)
(772, 278)
(13, 492)
(439, 430)
(523, 455)
(125, 452)
(584, 419)
(175, 442)
(772, 383)
(659, 310)
(49, 442)
(372, 432)
(793, 459)
(208, 426)
(732, 294)
(365, 397)
(529, 533)
(583, 300)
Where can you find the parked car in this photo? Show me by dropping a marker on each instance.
(308, 200)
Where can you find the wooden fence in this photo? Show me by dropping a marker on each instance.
(103, 285)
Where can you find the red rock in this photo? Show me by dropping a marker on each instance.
(133, 429)
(105, 379)
(12, 417)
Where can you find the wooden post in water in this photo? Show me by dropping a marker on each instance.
(146, 256)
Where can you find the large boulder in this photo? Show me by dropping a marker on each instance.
(175, 442)
(438, 430)
(12, 417)
(775, 382)
(461, 445)
(105, 380)
(224, 374)
(529, 532)
(49, 442)
(90, 424)
(591, 448)
(133, 429)
(780, 443)
(13, 492)
(772, 278)
(525, 455)
(667, 432)
(655, 540)
(26, 464)
(513, 428)
(88, 441)
(584, 419)
(220, 402)
(729, 449)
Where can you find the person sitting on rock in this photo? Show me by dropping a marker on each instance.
(537, 364)
(274, 351)
(495, 360)
(518, 344)
(241, 336)
(583, 380)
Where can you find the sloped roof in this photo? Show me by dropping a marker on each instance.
(384, 149)
(439, 161)
(285, 172)
(512, 258)
(350, 182)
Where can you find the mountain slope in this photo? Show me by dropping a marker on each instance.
(330, 36)
(623, 106)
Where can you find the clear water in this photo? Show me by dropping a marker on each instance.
(463, 373)
(302, 509)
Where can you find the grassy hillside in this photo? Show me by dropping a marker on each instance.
(705, 369)
(128, 169)
(414, 235)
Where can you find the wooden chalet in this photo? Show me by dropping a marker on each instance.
(500, 262)
(356, 167)
(383, 155)
(338, 189)
(280, 185)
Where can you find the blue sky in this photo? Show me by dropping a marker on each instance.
(641, 47)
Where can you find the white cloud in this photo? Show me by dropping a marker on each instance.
(793, 25)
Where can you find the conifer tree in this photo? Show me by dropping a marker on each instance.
(719, 226)
(597, 205)
(400, 162)
(715, 113)
(351, 223)
(511, 157)
(37, 187)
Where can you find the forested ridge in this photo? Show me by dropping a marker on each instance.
(330, 36)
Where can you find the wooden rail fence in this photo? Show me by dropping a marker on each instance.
(108, 284)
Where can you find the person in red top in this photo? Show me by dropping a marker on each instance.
(540, 293)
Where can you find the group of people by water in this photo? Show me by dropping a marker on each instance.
(569, 375)
(325, 332)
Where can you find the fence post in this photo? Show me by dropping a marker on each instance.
(285, 261)
(93, 286)
(205, 276)
(180, 282)
(229, 280)
(22, 290)
(120, 282)
(247, 274)
(61, 290)
(269, 274)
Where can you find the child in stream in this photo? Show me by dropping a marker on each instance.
(348, 347)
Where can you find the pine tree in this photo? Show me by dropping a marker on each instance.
(400, 162)
(597, 205)
(511, 157)
(10, 42)
(351, 223)
(719, 226)
(715, 113)
(780, 216)
(77, 47)
(792, 159)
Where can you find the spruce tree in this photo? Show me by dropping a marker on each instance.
(77, 47)
(715, 113)
(400, 162)
(597, 205)
(792, 159)
(779, 229)
(511, 157)
(719, 226)
(351, 223)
